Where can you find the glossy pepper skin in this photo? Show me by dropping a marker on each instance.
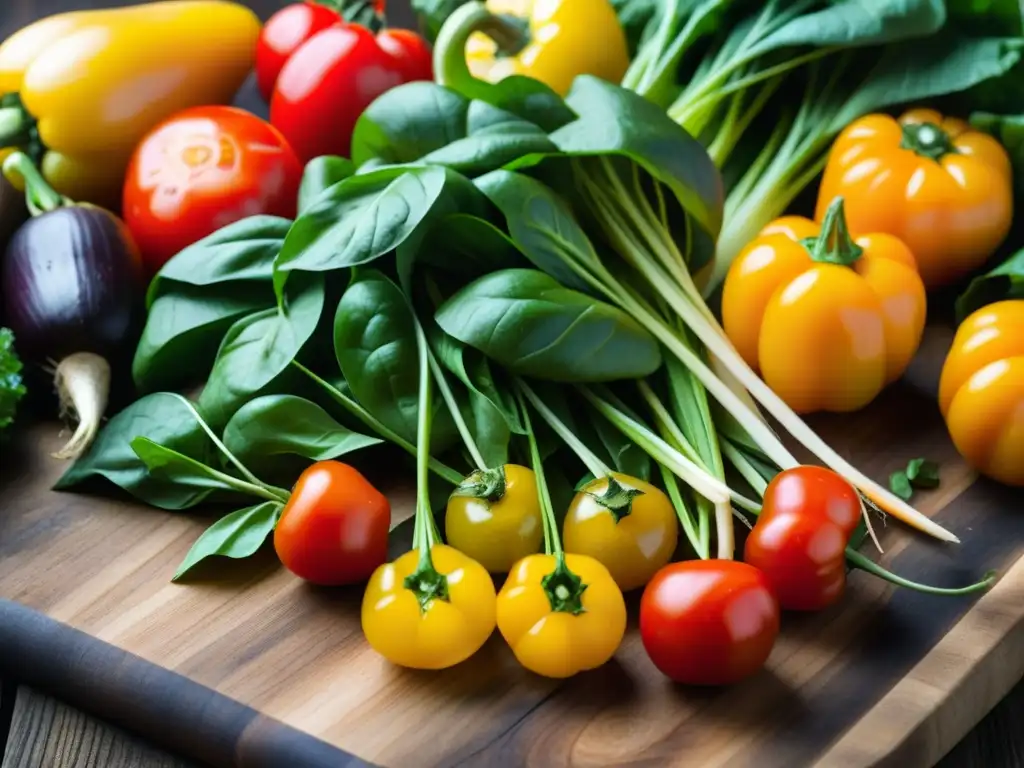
(561, 643)
(94, 82)
(325, 85)
(828, 322)
(440, 633)
(799, 540)
(942, 188)
(560, 39)
(632, 532)
(981, 391)
(497, 533)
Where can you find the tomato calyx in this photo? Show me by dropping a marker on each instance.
(616, 498)
(564, 589)
(927, 140)
(485, 484)
(834, 244)
(427, 583)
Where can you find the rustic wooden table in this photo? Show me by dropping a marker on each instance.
(37, 731)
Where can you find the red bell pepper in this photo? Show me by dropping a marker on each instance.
(325, 75)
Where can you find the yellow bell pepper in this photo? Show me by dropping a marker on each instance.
(981, 391)
(80, 89)
(552, 41)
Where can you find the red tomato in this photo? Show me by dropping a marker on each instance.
(202, 169)
(282, 35)
(708, 622)
(334, 528)
(328, 82)
(800, 538)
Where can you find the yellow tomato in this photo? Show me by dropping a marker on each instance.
(827, 321)
(496, 532)
(425, 624)
(630, 529)
(942, 188)
(981, 391)
(561, 621)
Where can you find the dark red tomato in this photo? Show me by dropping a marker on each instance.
(282, 35)
(328, 82)
(202, 169)
(708, 622)
(334, 528)
(800, 538)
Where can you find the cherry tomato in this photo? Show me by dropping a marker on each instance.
(800, 538)
(326, 84)
(282, 35)
(334, 528)
(709, 622)
(629, 528)
(497, 533)
(201, 170)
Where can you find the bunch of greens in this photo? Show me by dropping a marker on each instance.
(726, 70)
(525, 247)
(12, 389)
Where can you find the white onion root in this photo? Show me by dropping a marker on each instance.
(83, 385)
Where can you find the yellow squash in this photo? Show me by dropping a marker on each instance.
(82, 88)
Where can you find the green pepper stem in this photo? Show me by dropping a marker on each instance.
(15, 126)
(450, 67)
(834, 245)
(927, 140)
(40, 197)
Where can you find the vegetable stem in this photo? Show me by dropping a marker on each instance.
(40, 197)
(441, 470)
(453, 408)
(450, 67)
(552, 540)
(590, 460)
(860, 561)
(683, 513)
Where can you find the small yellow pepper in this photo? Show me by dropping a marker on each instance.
(82, 88)
(561, 614)
(552, 41)
(826, 320)
(981, 391)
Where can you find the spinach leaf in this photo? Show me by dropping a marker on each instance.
(467, 245)
(237, 535)
(1004, 282)
(286, 424)
(636, 16)
(168, 464)
(320, 174)
(365, 216)
(987, 17)
(189, 323)
(163, 417)
(540, 224)
(526, 321)
(258, 348)
(625, 456)
(489, 427)
(375, 343)
(243, 250)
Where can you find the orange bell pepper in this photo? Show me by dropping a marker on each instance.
(826, 320)
(942, 188)
(981, 391)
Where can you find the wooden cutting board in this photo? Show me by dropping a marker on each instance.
(890, 677)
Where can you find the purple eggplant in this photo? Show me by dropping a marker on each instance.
(72, 286)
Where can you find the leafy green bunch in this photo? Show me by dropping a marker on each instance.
(519, 245)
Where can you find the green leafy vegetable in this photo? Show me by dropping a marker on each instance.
(164, 418)
(237, 535)
(319, 175)
(12, 390)
(1004, 282)
(919, 474)
(285, 424)
(533, 326)
(258, 348)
